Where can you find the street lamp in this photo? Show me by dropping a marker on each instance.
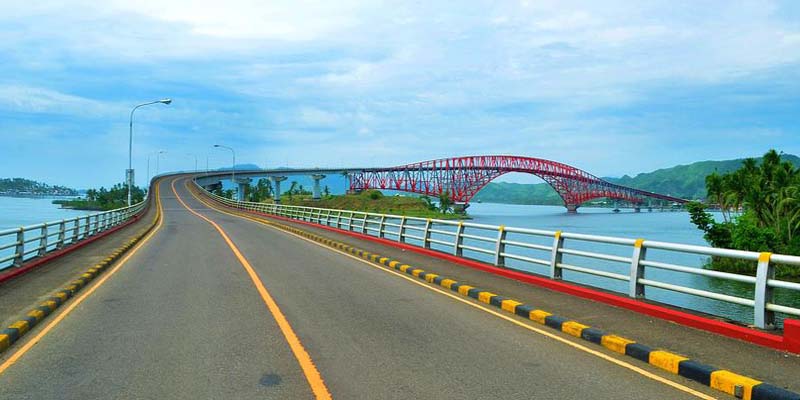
(195, 160)
(129, 172)
(233, 169)
(158, 154)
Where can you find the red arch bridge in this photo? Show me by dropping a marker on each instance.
(463, 177)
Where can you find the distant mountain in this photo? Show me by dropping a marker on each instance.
(242, 167)
(684, 181)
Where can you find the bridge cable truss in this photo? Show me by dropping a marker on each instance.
(463, 177)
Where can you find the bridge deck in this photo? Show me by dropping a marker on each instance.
(182, 319)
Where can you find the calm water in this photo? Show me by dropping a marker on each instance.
(20, 211)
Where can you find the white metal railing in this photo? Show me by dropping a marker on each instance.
(22, 244)
(540, 248)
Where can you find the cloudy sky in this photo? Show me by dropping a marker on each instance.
(613, 87)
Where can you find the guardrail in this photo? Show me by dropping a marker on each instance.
(546, 250)
(28, 242)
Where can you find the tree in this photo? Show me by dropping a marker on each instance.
(429, 203)
(445, 202)
(261, 191)
(760, 205)
(326, 191)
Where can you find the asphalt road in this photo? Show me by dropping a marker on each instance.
(183, 319)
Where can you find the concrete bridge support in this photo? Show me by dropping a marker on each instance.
(277, 187)
(241, 187)
(316, 194)
(571, 208)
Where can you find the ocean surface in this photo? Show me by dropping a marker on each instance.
(22, 211)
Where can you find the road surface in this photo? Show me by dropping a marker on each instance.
(184, 318)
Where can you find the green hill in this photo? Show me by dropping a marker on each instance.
(684, 181)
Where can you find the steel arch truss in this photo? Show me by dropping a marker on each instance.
(463, 177)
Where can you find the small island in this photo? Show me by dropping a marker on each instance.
(21, 187)
(373, 201)
(104, 199)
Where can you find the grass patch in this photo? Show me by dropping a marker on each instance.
(368, 201)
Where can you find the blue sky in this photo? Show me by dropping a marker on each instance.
(613, 87)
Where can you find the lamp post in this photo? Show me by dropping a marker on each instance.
(129, 172)
(158, 162)
(157, 153)
(233, 166)
(195, 160)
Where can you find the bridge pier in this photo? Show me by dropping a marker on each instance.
(316, 193)
(241, 187)
(571, 208)
(277, 192)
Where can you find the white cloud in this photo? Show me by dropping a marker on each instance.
(422, 78)
(28, 99)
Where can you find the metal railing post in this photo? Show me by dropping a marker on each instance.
(382, 226)
(364, 224)
(86, 228)
(457, 250)
(76, 230)
(401, 229)
(555, 257)
(62, 233)
(339, 219)
(764, 319)
(426, 234)
(43, 241)
(499, 259)
(20, 247)
(636, 289)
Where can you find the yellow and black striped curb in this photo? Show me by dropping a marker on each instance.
(15, 331)
(726, 381)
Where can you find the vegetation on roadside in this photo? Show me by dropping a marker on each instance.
(760, 205)
(104, 199)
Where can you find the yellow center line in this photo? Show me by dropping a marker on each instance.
(522, 324)
(86, 293)
(303, 358)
